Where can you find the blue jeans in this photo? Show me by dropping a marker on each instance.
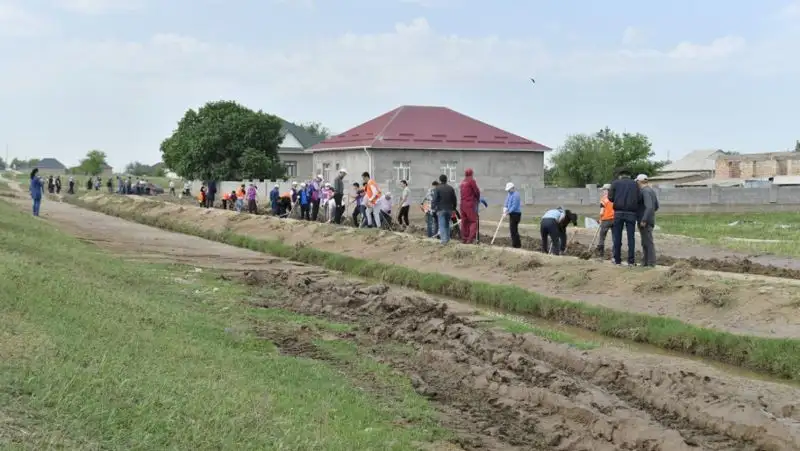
(37, 202)
(444, 225)
(626, 220)
(431, 224)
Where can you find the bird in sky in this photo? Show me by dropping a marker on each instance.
(533, 81)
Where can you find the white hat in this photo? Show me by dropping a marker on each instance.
(277, 186)
(302, 185)
(327, 183)
(319, 176)
(388, 195)
(294, 183)
(343, 170)
(509, 186)
(607, 186)
(641, 178)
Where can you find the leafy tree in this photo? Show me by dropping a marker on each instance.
(145, 170)
(94, 163)
(17, 163)
(549, 176)
(585, 159)
(316, 129)
(797, 146)
(225, 141)
(2, 165)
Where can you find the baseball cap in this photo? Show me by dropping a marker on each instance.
(641, 178)
(606, 186)
(509, 185)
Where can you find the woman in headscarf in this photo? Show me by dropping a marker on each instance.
(36, 189)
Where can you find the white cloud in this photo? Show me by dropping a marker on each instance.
(632, 36)
(95, 7)
(17, 22)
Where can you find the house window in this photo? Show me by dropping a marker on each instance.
(326, 171)
(337, 167)
(402, 171)
(449, 168)
(291, 168)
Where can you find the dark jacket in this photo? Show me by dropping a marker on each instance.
(444, 198)
(338, 185)
(649, 206)
(626, 195)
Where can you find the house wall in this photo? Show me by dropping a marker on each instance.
(758, 165)
(304, 162)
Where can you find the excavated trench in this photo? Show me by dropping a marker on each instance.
(518, 391)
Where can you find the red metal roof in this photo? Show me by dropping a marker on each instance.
(427, 128)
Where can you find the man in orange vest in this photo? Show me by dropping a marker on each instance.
(372, 194)
(606, 220)
(225, 198)
(240, 194)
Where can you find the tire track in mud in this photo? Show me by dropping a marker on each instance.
(731, 265)
(522, 391)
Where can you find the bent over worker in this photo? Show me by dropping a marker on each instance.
(513, 210)
(470, 196)
(549, 228)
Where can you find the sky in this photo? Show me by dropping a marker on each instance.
(117, 75)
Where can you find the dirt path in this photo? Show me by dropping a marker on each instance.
(497, 390)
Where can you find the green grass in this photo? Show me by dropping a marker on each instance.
(101, 353)
(521, 327)
(716, 229)
(774, 356)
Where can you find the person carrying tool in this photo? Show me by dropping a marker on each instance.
(358, 205)
(304, 199)
(513, 209)
(626, 196)
(251, 198)
(372, 196)
(71, 189)
(315, 192)
(225, 198)
(431, 221)
(606, 220)
(470, 197)
(569, 217)
(285, 204)
(384, 205)
(549, 228)
(201, 198)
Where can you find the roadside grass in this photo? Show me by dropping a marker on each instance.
(775, 356)
(101, 353)
(516, 326)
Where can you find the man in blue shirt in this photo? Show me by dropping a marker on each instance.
(549, 228)
(513, 209)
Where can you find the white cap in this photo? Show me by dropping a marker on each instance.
(302, 184)
(607, 186)
(509, 186)
(294, 183)
(641, 178)
(388, 195)
(327, 183)
(277, 186)
(342, 170)
(319, 176)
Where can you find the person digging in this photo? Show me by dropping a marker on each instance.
(606, 221)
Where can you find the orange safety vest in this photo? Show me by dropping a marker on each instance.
(226, 196)
(240, 194)
(606, 209)
(372, 190)
(201, 197)
(287, 195)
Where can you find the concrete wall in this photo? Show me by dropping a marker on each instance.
(304, 162)
(758, 165)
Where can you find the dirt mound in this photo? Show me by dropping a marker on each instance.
(526, 392)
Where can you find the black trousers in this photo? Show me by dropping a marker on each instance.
(402, 216)
(513, 227)
(549, 230)
(624, 220)
(251, 206)
(339, 209)
(314, 210)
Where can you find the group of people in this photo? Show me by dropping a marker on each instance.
(628, 204)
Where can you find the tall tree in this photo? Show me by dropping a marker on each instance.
(316, 129)
(225, 141)
(585, 159)
(797, 146)
(139, 169)
(2, 164)
(94, 163)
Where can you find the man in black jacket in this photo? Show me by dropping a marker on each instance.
(444, 203)
(626, 196)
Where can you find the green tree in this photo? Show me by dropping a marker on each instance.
(140, 169)
(585, 159)
(797, 146)
(316, 129)
(225, 141)
(2, 164)
(94, 163)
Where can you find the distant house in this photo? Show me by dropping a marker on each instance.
(758, 165)
(293, 151)
(108, 171)
(696, 166)
(50, 166)
(418, 143)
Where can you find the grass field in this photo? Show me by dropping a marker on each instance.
(736, 230)
(101, 353)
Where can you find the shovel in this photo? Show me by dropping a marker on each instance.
(499, 223)
(451, 228)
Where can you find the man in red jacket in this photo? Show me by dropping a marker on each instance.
(470, 196)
